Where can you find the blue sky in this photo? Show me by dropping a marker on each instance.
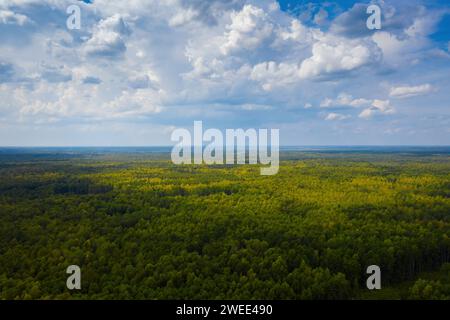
(136, 70)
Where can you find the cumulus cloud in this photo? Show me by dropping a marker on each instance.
(377, 107)
(297, 32)
(405, 39)
(182, 17)
(135, 103)
(108, 38)
(10, 17)
(330, 57)
(247, 30)
(208, 12)
(256, 34)
(425, 24)
(336, 117)
(271, 74)
(59, 101)
(344, 99)
(333, 55)
(397, 50)
(411, 91)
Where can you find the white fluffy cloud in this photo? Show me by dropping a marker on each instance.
(411, 91)
(377, 107)
(336, 117)
(407, 45)
(255, 34)
(63, 100)
(108, 38)
(344, 99)
(272, 75)
(335, 55)
(399, 50)
(10, 17)
(182, 17)
(247, 30)
(330, 56)
(371, 107)
(297, 32)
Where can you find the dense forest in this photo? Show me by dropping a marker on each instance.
(140, 227)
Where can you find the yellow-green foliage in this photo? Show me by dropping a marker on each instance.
(148, 229)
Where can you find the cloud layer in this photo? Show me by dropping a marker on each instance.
(162, 64)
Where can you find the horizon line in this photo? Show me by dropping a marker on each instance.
(281, 146)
